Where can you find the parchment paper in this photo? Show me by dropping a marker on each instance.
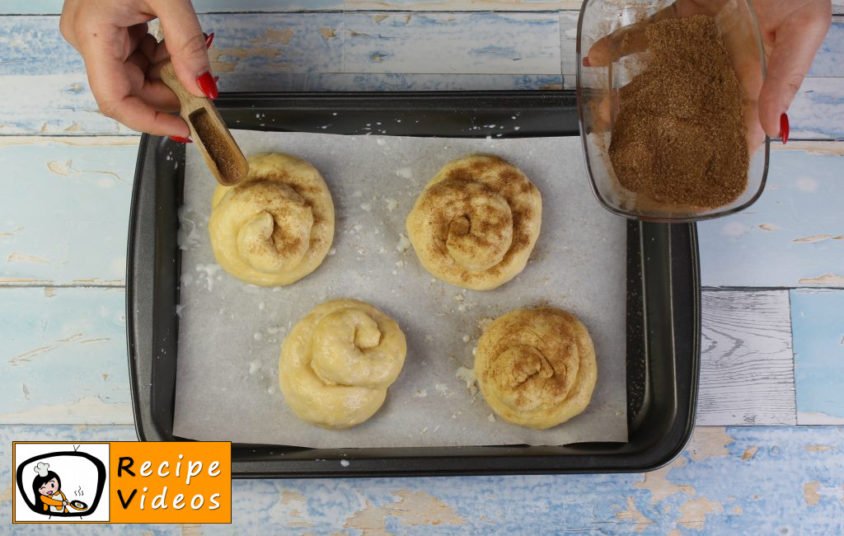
(231, 332)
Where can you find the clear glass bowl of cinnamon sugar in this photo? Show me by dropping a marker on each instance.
(667, 101)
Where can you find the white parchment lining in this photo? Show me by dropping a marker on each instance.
(230, 332)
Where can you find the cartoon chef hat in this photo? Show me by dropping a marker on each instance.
(42, 468)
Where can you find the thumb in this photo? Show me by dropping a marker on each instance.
(796, 43)
(185, 42)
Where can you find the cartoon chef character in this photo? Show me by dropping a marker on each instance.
(48, 493)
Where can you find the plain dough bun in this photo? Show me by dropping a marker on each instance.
(338, 361)
(276, 226)
(536, 367)
(476, 222)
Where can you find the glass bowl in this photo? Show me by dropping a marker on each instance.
(598, 99)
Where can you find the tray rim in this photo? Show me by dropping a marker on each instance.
(651, 459)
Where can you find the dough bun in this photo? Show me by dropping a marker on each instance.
(536, 367)
(476, 222)
(338, 362)
(277, 225)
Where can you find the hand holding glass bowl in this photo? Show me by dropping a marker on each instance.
(612, 50)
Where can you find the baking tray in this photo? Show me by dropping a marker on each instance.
(663, 292)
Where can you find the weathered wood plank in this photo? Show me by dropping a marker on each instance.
(312, 42)
(48, 7)
(742, 480)
(830, 58)
(64, 210)
(818, 320)
(816, 111)
(772, 244)
(52, 7)
(63, 357)
(58, 104)
(408, 42)
(353, 51)
(62, 104)
(747, 367)
(793, 236)
(434, 43)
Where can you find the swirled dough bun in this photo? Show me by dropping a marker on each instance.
(476, 222)
(536, 367)
(277, 225)
(338, 361)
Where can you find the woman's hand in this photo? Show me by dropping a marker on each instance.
(122, 58)
(792, 31)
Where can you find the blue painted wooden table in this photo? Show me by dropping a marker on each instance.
(767, 456)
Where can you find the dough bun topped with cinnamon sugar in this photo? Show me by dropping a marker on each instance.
(276, 226)
(536, 367)
(476, 222)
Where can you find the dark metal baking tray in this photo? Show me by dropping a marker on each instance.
(663, 292)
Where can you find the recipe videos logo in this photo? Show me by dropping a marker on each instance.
(121, 482)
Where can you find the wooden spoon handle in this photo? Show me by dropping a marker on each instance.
(208, 131)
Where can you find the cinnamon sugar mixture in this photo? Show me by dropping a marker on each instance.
(679, 137)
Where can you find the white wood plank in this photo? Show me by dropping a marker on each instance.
(747, 363)
(53, 104)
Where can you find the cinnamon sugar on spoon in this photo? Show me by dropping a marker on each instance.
(679, 137)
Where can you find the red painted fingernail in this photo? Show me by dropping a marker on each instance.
(181, 139)
(209, 39)
(208, 85)
(586, 62)
(784, 128)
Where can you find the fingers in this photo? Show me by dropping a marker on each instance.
(68, 20)
(795, 45)
(161, 53)
(113, 83)
(631, 39)
(626, 40)
(138, 115)
(151, 91)
(137, 33)
(118, 52)
(620, 43)
(141, 64)
(186, 44)
(753, 130)
(148, 47)
(159, 96)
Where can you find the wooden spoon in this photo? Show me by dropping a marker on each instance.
(208, 131)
